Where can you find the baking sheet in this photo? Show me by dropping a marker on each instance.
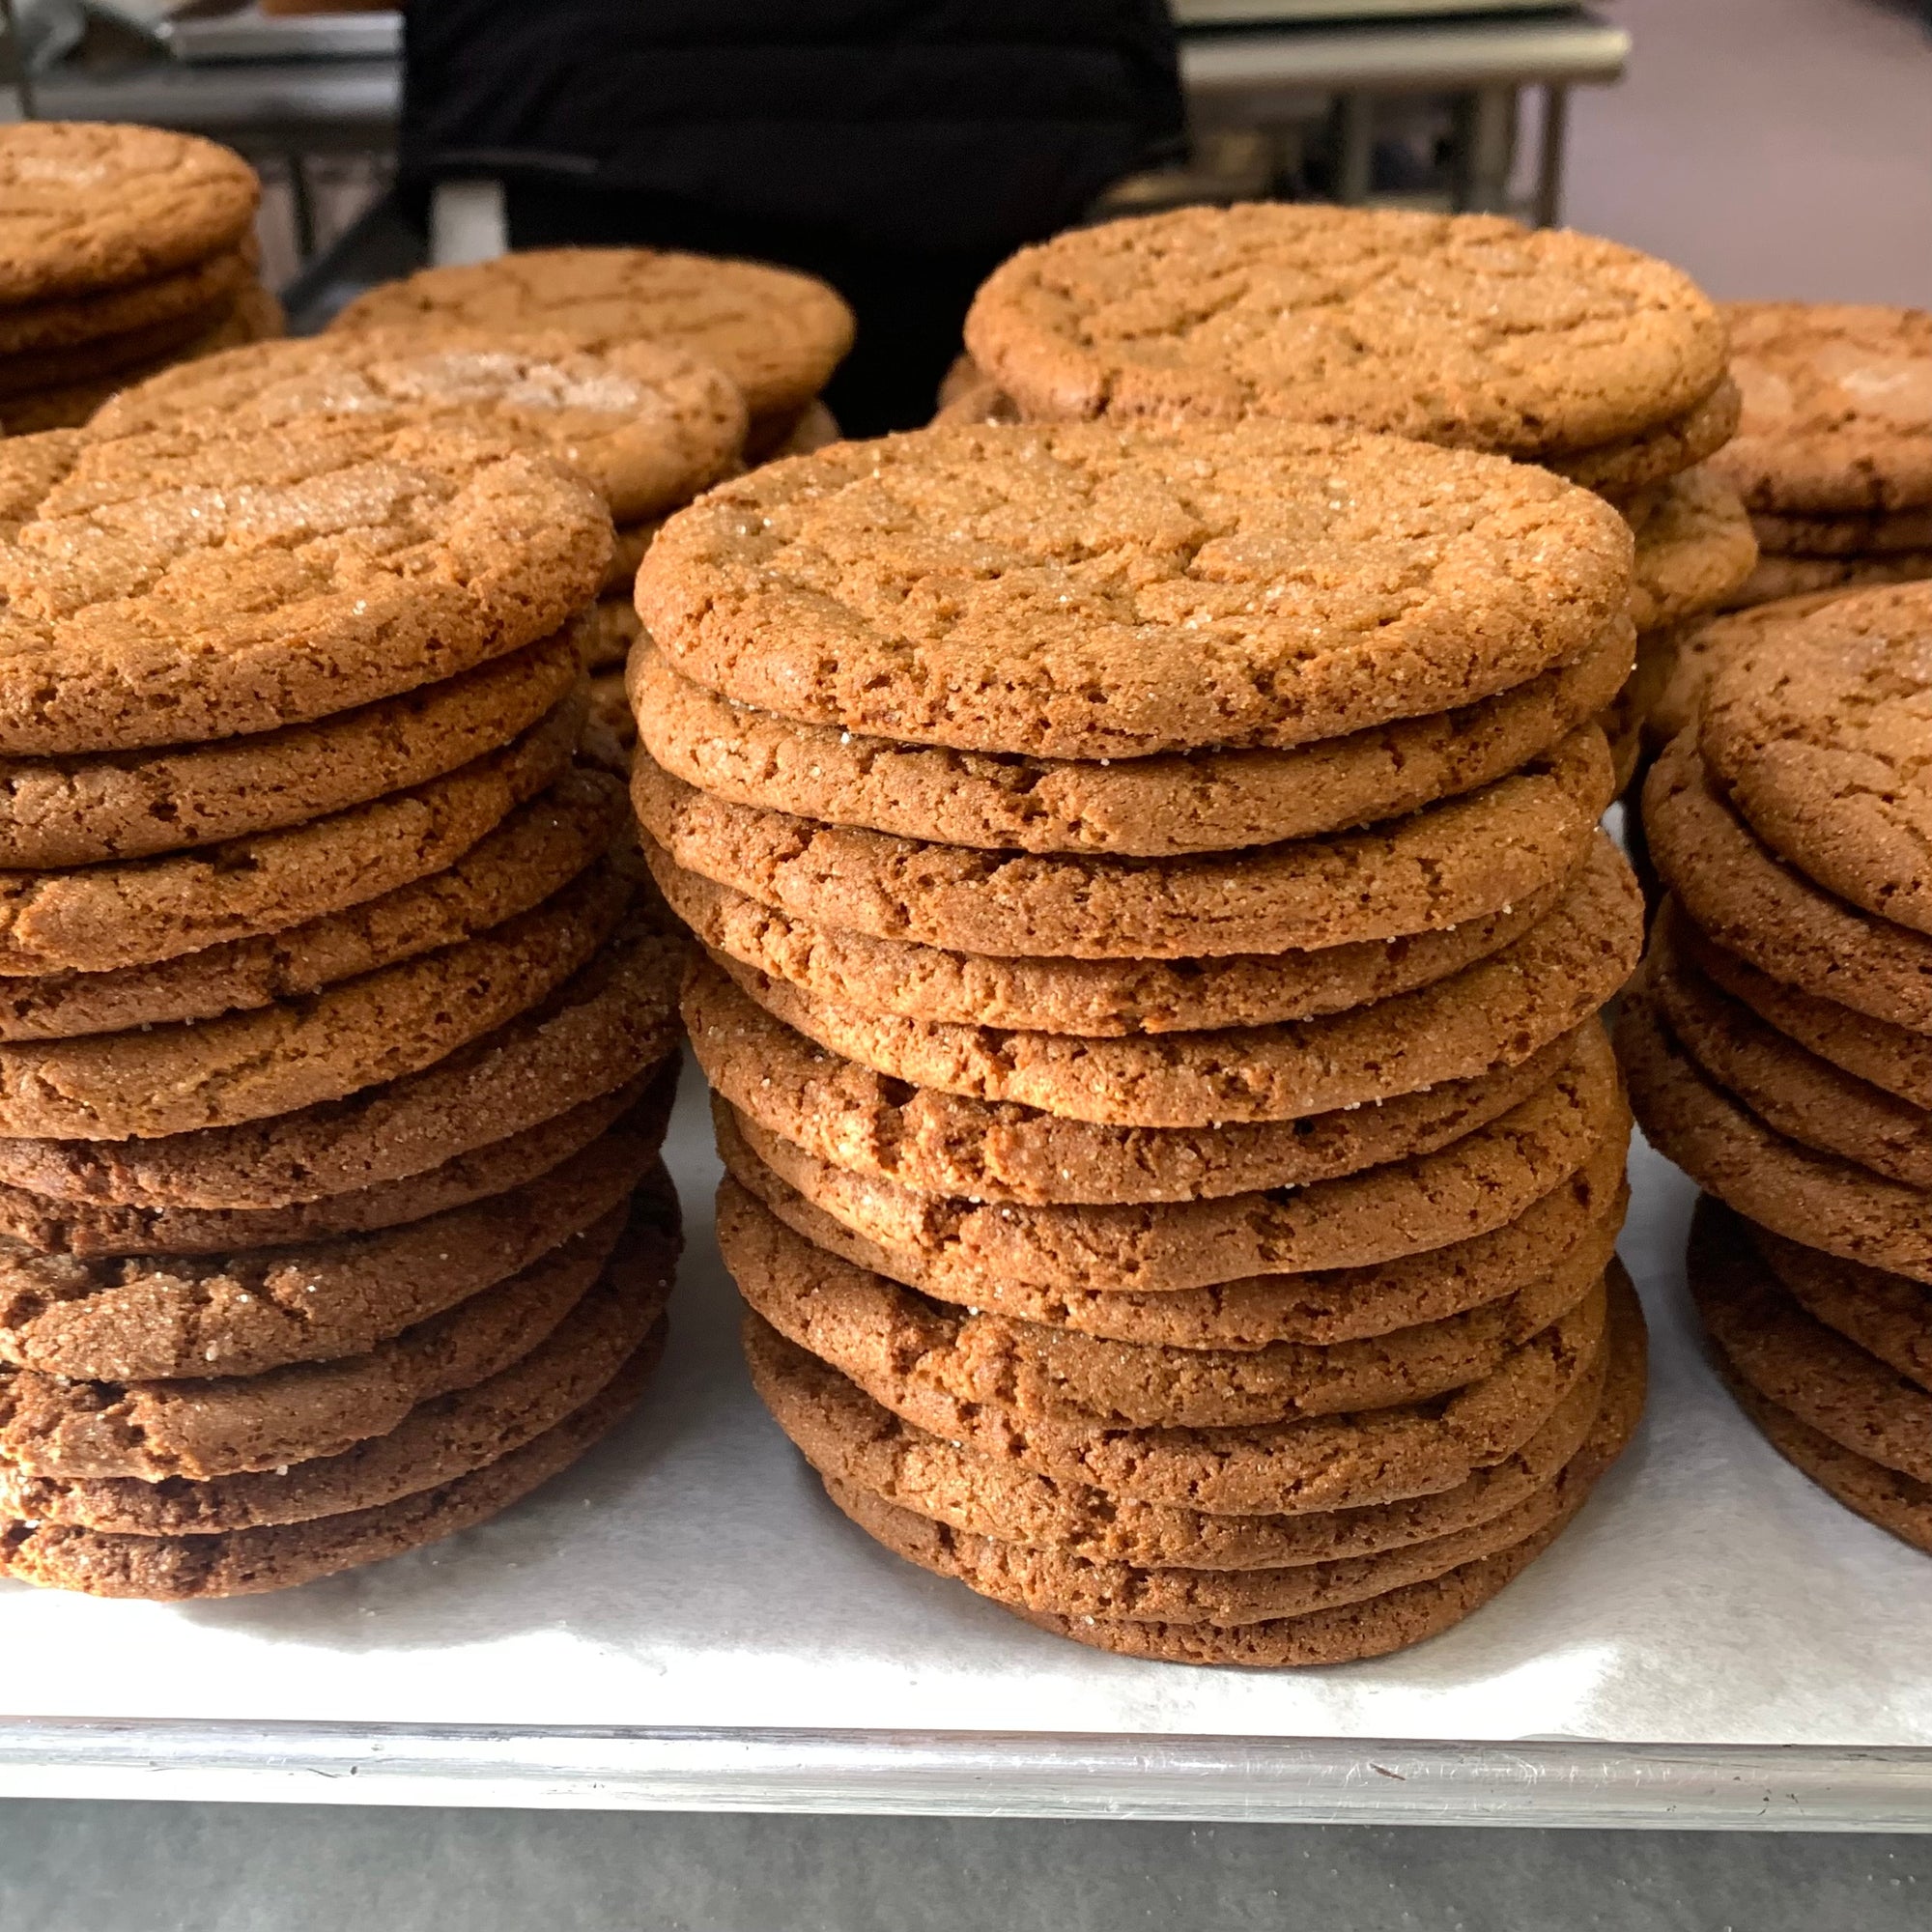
(690, 1573)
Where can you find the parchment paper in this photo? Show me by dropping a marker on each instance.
(690, 1573)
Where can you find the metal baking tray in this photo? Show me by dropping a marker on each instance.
(683, 1622)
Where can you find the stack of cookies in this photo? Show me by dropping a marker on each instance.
(1834, 454)
(121, 250)
(1155, 926)
(775, 334)
(335, 1022)
(1780, 1046)
(649, 425)
(1549, 346)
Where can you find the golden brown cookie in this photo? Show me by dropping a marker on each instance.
(1886, 1315)
(778, 334)
(1632, 464)
(1081, 592)
(189, 299)
(1449, 862)
(1777, 578)
(648, 424)
(1464, 329)
(1700, 646)
(1843, 536)
(1693, 553)
(190, 584)
(1146, 807)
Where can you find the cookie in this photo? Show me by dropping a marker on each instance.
(1814, 1198)
(609, 630)
(615, 1016)
(1056, 1374)
(1797, 1362)
(436, 1442)
(1464, 329)
(1781, 577)
(1794, 1092)
(1072, 1586)
(1887, 1497)
(1742, 898)
(640, 1112)
(941, 1143)
(185, 586)
(1142, 808)
(812, 429)
(1494, 1013)
(850, 1439)
(648, 424)
(1694, 551)
(256, 316)
(1436, 868)
(611, 732)
(52, 1426)
(357, 1032)
(1573, 1226)
(536, 851)
(630, 542)
(1078, 592)
(1476, 1185)
(1892, 1058)
(1843, 536)
(1631, 464)
(1316, 1462)
(164, 1316)
(243, 1562)
(778, 334)
(1837, 407)
(1700, 646)
(1100, 998)
(193, 293)
(78, 811)
(91, 205)
(113, 359)
(1820, 732)
(1887, 1316)
(138, 911)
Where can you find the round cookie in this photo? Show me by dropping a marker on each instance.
(1437, 867)
(1076, 591)
(776, 334)
(1494, 1013)
(615, 1016)
(1059, 1374)
(1061, 1584)
(436, 1442)
(1693, 551)
(1894, 1059)
(1821, 730)
(535, 851)
(1624, 468)
(177, 1569)
(648, 424)
(1887, 1316)
(140, 912)
(1701, 646)
(1464, 329)
(849, 1439)
(1837, 407)
(92, 205)
(996, 1150)
(1843, 536)
(1103, 997)
(78, 811)
(1777, 578)
(357, 1032)
(188, 584)
(1742, 898)
(1797, 1362)
(52, 1426)
(1143, 808)
(190, 297)
(1476, 1185)
(1813, 1198)
(636, 1115)
(1892, 1500)
(1313, 1464)
(162, 1317)
(1792, 1092)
